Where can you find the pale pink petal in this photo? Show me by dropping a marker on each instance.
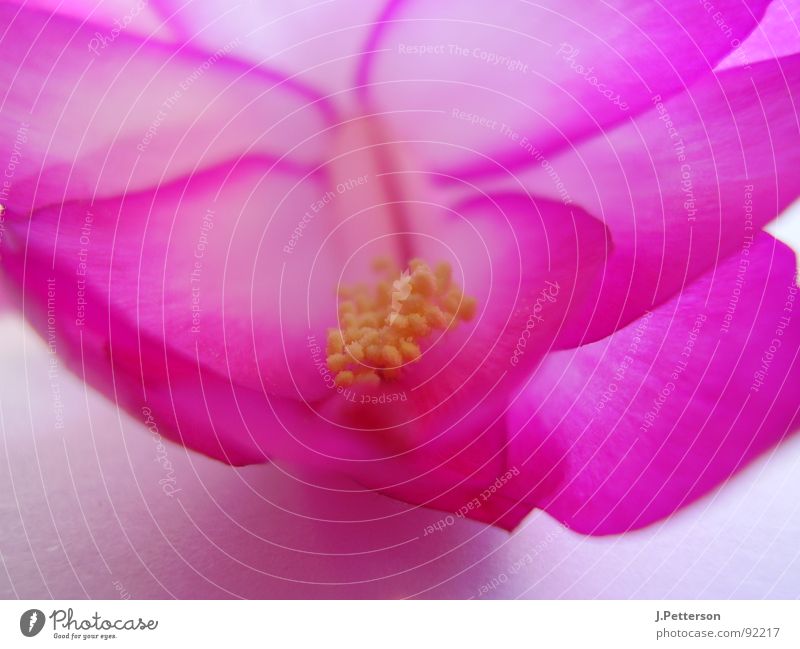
(80, 124)
(486, 85)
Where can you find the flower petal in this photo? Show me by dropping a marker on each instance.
(485, 86)
(684, 186)
(80, 123)
(132, 16)
(316, 41)
(630, 428)
(121, 297)
(525, 261)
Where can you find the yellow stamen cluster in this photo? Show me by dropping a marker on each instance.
(380, 332)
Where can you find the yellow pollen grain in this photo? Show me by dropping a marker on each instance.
(385, 265)
(424, 283)
(337, 362)
(356, 351)
(452, 299)
(374, 355)
(382, 330)
(444, 275)
(335, 342)
(368, 378)
(344, 378)
(409, 350)
(368, 338)
(436, 318)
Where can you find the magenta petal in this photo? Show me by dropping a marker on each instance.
(685, 185)
(627, 430)
(778, 34)
(483, 86)
(82, 124)
(109, 17)
(196, 264)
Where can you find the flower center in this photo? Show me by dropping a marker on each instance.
(381, 330)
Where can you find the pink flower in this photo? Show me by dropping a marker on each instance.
(480, 257)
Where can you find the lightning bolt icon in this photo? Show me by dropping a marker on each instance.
(32, 621)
